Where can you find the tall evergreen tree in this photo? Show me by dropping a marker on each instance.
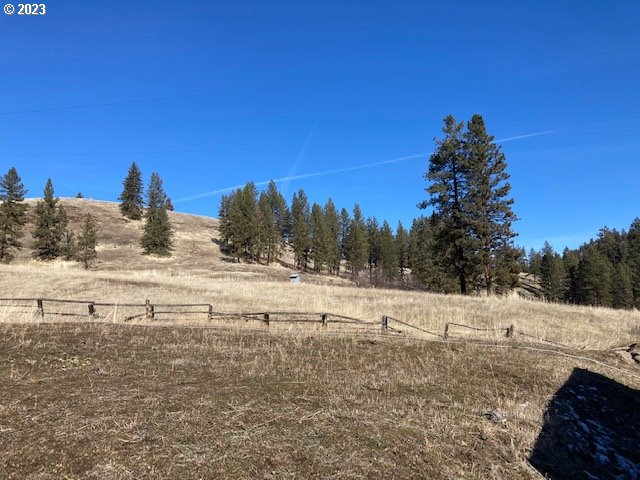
(448, 177)
(86, 248)
(388, 252)
(223, 217)
(333, 231)
(236, 229)
(373, 242)
(571, 260)
(267, 230)
(402, 248)
(427, 266)
(131, 196)
(301, 240)
(280, 211)
(622, 289)
(633, 246)
(487, 203)
(345, 223)
(157, 238)
(48, 232)
(12, 214)
(595, 278)
(534, 260)
(552, 276)
(318, 229)
(357, 248)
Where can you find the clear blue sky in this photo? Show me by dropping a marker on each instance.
(213, 94)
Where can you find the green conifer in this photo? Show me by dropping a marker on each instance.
(332, 236)
(50, 226)
(12, 214)
(357, 247)
(157, 238)
(487, 205)
(388, 252)
(300, 232)
(131, 205)
(86, 248)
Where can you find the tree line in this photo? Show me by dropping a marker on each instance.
(53, 238)
(465, 245)
(602, 272)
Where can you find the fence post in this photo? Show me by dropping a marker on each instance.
(92, 310)
(210, 314)
(510, 331)
(384, 323)
(40, 307)
(265, 318)
(149, 310)
(324, 320)
(446, 331)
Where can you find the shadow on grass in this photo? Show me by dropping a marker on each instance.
(591, 430)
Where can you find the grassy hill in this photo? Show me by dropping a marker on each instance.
(195, 241)
(184, 397)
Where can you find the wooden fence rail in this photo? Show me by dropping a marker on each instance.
(323, 318)
(153, 309)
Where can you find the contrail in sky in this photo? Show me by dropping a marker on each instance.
(299, 158)
(528, 135)
(306, 175)
(289, 178)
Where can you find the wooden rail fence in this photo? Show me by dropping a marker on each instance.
(149, 311)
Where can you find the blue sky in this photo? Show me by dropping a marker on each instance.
(213, 94)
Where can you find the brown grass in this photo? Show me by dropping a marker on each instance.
(103, 402)
(109, 400)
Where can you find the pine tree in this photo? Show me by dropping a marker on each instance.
(595, 278)
(69, 248)
(402, 248)
(373, 242)
(301, 240)
(48, 232)
(157, 236)
(633, 246)
(268, 232)
(345, 223)
(86, 249)
(622, 291)
(12, 214)
(318, 231)
(487, 205)
(131, 196)
(79, 195)
(552, 274)
(388, 252)
(534, 260)
(448, 174)
(469, 192)
(356, 243)
(281, 215)
(223, 216)
(571, 260)
(427, 265)
(168, 205)
(236, 225)
(333, 230)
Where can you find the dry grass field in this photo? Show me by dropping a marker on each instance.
(161, 399)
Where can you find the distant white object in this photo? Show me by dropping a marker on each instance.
(295, 278)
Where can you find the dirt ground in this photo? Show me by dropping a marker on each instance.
(122, 402)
